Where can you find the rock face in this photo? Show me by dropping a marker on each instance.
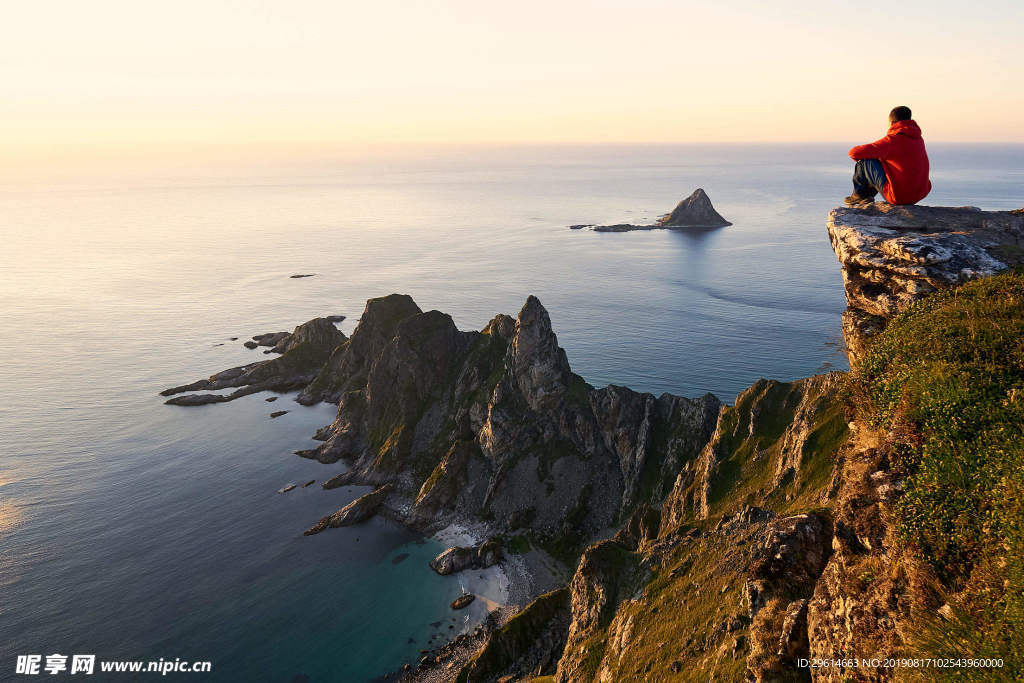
(782, 577)
(693, 213)
(529, 645)
(892, 256)
(495, 424)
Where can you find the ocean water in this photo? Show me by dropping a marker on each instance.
(134, 530)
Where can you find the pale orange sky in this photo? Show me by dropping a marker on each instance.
(124, 72)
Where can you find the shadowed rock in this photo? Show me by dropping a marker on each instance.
(359, 510)
(456, 559)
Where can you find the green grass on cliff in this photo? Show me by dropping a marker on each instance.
(945, 382)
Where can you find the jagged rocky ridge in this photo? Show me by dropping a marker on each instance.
(693, 213)
(490, 424)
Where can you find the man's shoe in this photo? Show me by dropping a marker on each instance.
(858, 202)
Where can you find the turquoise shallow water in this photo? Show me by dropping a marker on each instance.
(135, 530)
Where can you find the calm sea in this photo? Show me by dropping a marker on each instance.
(134, 530)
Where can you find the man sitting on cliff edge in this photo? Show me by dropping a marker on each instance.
(896, 165)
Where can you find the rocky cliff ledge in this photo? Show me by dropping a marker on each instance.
(892, 256)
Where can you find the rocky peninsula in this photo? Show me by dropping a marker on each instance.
(698, 539)
(693, 213)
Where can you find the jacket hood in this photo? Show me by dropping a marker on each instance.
(908, 128)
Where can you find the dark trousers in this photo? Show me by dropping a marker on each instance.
(868, 178)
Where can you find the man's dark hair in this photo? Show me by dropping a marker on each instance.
(899, 114)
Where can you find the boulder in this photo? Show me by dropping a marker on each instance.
(463, 601)
(456, 558)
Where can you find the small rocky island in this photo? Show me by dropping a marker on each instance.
(693, 213)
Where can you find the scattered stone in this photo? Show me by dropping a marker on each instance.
(250, 345)
(271, 399)
(278, 413)
(301, 275)
(286, 489)
(309, 483)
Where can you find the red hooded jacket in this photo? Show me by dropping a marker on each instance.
(905, 160)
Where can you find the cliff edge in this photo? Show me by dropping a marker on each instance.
(892, 256)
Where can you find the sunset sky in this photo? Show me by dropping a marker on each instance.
(127, 72)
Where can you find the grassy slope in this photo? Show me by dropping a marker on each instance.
(680, 617)
(945, 382)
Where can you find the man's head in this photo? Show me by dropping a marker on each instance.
(899, 114)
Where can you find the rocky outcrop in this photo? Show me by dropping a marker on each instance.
(529, 645)
(773, 430)
(359, 510)
(606, 574)
(304, 352)
(693, 213)
(782, 577)
(457, 558)
(892, 256)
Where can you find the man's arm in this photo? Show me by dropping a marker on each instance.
(878, 149)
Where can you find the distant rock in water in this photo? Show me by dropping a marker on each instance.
(301, 275)
(693, 213)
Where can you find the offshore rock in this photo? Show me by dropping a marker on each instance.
(693, 213)
(892, 256)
